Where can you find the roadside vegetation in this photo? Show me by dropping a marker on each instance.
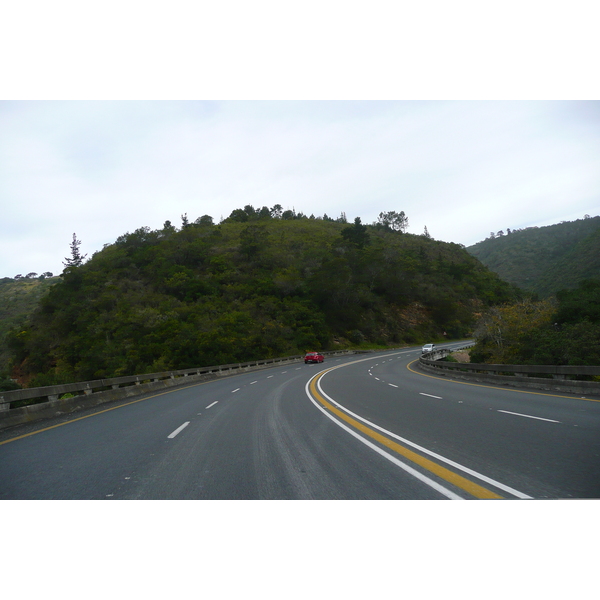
(560, 331)
(18, 299)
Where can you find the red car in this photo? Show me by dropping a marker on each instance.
(313, 357)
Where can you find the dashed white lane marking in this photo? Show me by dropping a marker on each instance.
(528, 416)
(269, 377)
(253, 382)
(236, 390)
(392, 385)
(179, 429)
(215, 402)
(430, 396)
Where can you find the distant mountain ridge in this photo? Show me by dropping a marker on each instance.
(544, 259)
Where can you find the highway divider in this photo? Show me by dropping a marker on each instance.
(32, 404)
(553, 378)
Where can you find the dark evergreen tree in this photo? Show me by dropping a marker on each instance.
(76, 259)
(356, 234)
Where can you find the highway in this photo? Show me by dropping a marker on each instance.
(365, 426)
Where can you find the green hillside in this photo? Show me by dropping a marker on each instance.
(544, 259)
(18, 299)
(253, 286)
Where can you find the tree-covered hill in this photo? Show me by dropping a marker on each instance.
(18, 299)
(544, 259)
(262, 283)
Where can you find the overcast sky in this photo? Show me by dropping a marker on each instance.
(131, 116)
(461, 168)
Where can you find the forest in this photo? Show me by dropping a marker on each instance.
(18, 299)
(262, 283)
(563, 330)
(544, 260)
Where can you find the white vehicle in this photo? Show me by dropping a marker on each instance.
(428, 348)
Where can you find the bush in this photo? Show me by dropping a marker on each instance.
(8, 385)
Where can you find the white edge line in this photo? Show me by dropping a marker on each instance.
(528, 416)
(489, 480)
(423, 478)
(179, 429)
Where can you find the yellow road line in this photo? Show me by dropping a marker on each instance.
(449, 476)
(491, 387)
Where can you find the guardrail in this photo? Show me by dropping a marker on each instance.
(562, 377)
(49, 401)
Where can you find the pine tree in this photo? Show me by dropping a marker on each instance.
(356, 234)
(393, 220)
(76, 259)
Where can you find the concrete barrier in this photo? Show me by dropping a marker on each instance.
(515, 375)
(88, 394)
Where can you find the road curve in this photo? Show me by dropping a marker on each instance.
(357, 427)
(472, 440)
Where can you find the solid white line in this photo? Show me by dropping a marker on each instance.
(423, 478)
(215, 402)
(528, 416)
(236, 390)
(480, 476)
(181, 428)
(438, 397)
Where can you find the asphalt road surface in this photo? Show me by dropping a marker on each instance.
(368, 426)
